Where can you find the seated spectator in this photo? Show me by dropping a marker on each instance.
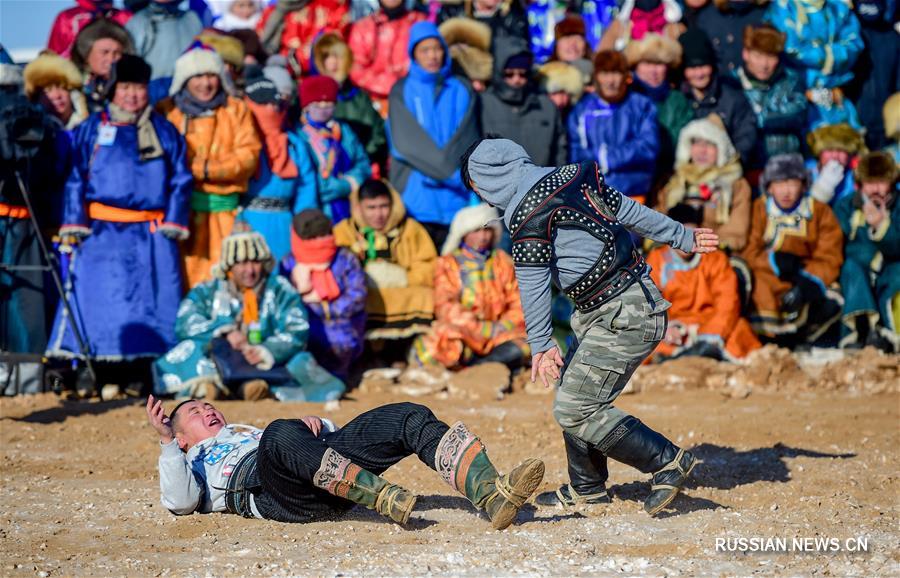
(478, 316)
(290, 27)
(236, 14)
(635, 19)
(469, 43)
(795, 254)
(55, 83)
(398, 257)
(708, 93)
(379, 46)
(97, 47)
(428, 131)
(513, 107)
(822, 41)
(616, 128)
(563, 85)
(835, 150)
(274, 190)
(333, 287)
(870, 276)
(705, 317)
(651, 59)
(243, 334)
(126, 206)
(505, 18)
(339, 163)
(223, 152)
(332, 57)
(161, 32)
(709, 181)
(71, 21)
(775, 92)
(891, 113)
(724, 22)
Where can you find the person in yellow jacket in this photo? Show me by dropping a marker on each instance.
(222, 151)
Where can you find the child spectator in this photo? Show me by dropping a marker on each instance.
(835, 149)
(333, 287)
(870, 276)
(795, 253)
(478, 315)
(236, 14)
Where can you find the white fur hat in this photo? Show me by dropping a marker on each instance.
(199, 59)
(472, 219)
(709, 129)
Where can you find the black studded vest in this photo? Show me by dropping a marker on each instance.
(576, 196)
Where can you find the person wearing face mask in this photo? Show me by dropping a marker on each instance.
(55, 83)
(616, 128)
(97, 47)
(126, 205)
(477, 310)
(795, 251)
(338, 162)
(223, 152)
(639, 17)
(513, 107)
(379, 46)
(71, 21)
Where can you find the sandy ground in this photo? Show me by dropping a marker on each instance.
(790, 450)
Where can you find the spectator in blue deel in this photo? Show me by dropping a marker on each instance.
(432, 121)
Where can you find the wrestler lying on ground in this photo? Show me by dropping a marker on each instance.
(301, 470)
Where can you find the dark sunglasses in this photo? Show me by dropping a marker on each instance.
(513, 73)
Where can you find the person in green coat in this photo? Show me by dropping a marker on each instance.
(870, 275)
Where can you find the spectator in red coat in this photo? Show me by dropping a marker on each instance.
(290, 27)
(70, 21)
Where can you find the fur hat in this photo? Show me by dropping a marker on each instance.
(472, 219)
(229, 48)
(764, 38)
(891, 112)
(571, 25)
(318, 89)
(710, 129)
(328, 44)
(99, 28)
(654, 48)
(197, 59)
(557, 76)
(610, 61)
(877, 166)
(841, 137)
(782, 168)
(242, 246)
(50, 69)
(129, 68)
(469, 42)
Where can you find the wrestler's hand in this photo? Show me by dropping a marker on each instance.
(705, 241)
(159, 420)
(236, 339)
(546, 364)
(313, 423)
(252, 355)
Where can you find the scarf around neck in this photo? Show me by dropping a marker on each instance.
(190, 106)
(148, 143)
(325, 141)
(709, 184)
(318, 253)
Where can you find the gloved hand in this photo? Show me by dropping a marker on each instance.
(831, 175)
(789, 265)
(804, 291)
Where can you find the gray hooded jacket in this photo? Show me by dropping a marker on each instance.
(503, 173)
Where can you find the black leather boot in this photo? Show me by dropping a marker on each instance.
(633, 443)
(587, 477)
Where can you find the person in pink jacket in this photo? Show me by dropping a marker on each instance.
(70, 21)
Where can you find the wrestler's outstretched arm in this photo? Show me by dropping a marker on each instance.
(654, 225)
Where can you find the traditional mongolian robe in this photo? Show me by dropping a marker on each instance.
(125, 276)
(476, 308)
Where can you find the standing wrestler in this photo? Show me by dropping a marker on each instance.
(569, 227)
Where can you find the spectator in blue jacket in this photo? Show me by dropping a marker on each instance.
(616, 128)
(432, 120)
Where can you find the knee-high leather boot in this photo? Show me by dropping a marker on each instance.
(587, 477)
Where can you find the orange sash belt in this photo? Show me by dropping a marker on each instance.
(13, 211)
(101, 212)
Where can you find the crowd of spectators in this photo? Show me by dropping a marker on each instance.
(250, 197)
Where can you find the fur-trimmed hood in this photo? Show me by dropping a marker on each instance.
(50, 69)
(332, 43)
(99, 28)
(472, 219)
(556, 76)
(841, 137)
(654, 48)
(469, 42)
(711, 130)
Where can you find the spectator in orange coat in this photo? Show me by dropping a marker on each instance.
(705, 317)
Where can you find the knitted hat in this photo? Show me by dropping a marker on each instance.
(709, 129)
(697, 50)
(654, 48)
(764, 38)
(229, 48)
(50, 69)
(318, 89)
(469, 42)
(311, 223)
(782, 168)
(197, 59)
(331, 44)
(891, 112)
(472, 219)
(258, 88)
(96, 30)
(840, 137)
(276, 71)
(877, 166)
(559, 76)
(241, 247)
(571, 25)
(610, 61)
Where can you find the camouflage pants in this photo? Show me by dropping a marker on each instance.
(613, 341)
